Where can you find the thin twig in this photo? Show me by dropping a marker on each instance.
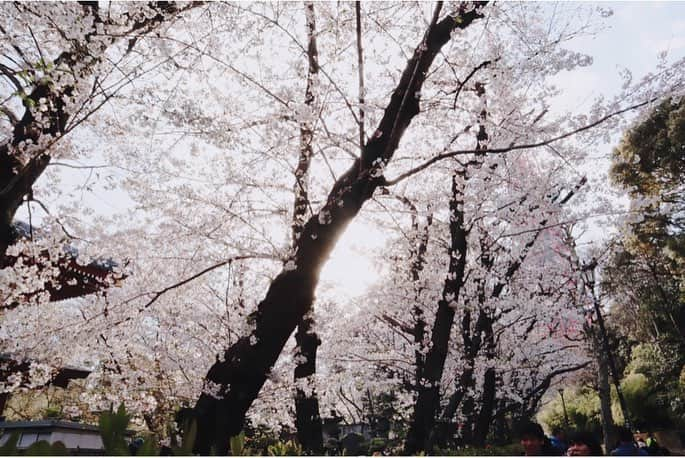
(360, 68)
(515, 147)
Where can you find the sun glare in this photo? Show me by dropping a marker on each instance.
(350, 271)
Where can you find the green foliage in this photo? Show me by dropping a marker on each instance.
(377, 444)
(149, 448)
(636, 390)
(647, 406)
(188, 436)
(10, 447)
(650, 164)
(582, 407)
(649, 161)
(113, 431)
(502, 450)
(647, 359)
(53, 412)
(646, 272)
(289, 448)
(238, 447)
(40, 448)
(44, 448)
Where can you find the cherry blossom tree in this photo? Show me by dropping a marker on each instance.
(57, 70)
(206, 146)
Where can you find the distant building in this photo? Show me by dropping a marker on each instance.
(79, 439)
(21, 367)
(75, 279)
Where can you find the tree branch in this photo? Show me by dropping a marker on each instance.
(360, 67)
(514, 147)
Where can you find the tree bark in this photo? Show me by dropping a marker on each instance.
(472, 345)
(487, 404)
(307, 416)
(604, 392)
(418, 259)
(235, 379)
(428, 398)
(16, 178)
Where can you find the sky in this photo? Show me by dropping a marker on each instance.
(637, 32)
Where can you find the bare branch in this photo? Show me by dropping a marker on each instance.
(360, 67)
(515, 147)
(10, 114)
(9, 73)
(468, 77)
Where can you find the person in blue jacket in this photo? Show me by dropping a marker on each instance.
(626, 445)
(558, 440)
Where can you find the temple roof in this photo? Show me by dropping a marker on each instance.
(75, 278)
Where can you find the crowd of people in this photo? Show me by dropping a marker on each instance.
(584, 443)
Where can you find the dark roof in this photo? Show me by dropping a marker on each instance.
(22, 366)
(22, 230)
(75, 279)
(47, 424)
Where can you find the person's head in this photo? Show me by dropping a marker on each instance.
(583, 443)
(532, 438)
(625, 436)
(559, 433)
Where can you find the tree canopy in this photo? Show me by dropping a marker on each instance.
(216, 153)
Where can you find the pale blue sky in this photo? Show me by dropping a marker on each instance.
(636, 33)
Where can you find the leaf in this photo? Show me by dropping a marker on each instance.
(10, 447)
(148, 448)
(44, 448)
(238, 444)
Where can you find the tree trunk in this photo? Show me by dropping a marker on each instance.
(428, 399)
(17, 179)
(604, 391)
(487, 404)
(501, 430)
(471, 342)
(307, 417)
(235, 379)
(418, 256)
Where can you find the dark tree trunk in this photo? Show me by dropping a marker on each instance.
(472, 345)
(604, 391)
(307, 417)
(487, 406)
(235, 379)
(428, 399)
(16, 179)
(501, 431)
(488, 399)
(418, 257)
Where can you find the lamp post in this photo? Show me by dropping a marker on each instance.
(588, 272)
(563, 405)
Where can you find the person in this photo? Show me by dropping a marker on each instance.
(583, 443)
(639, 442)
(626, 445)
(558, 440)
(534, 441)
(650, 441)
(653, 448)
